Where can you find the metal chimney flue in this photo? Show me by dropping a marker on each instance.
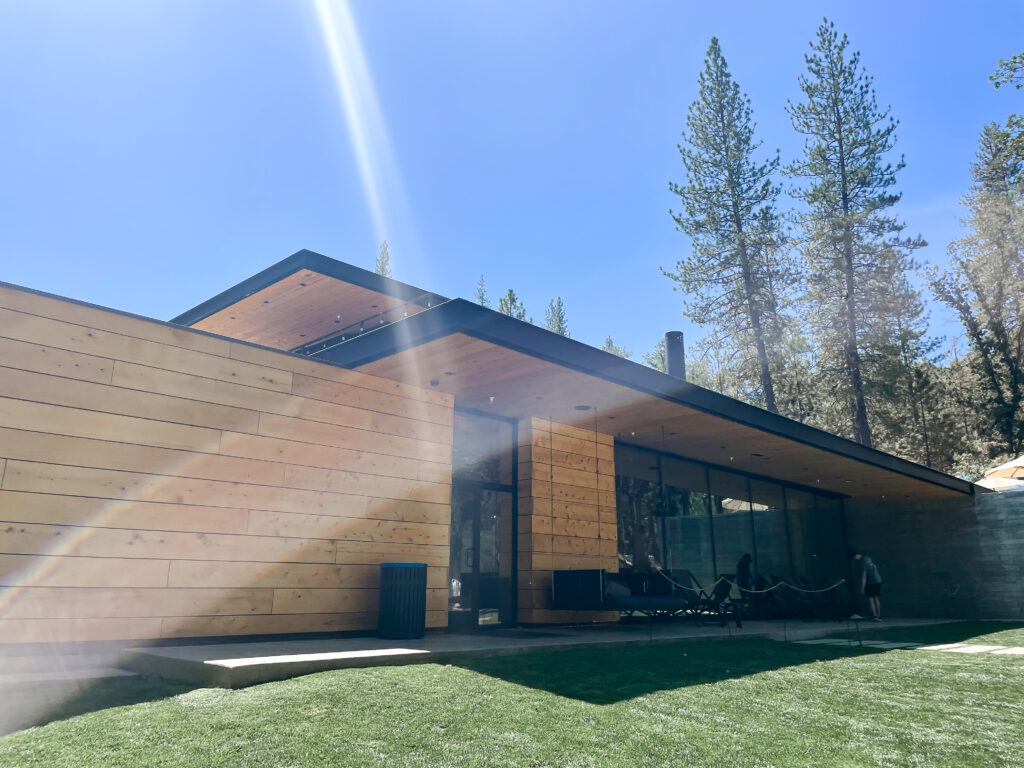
(675, 355)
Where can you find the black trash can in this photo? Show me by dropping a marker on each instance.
(403, 601)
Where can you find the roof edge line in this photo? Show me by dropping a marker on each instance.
(462, 316)
(304, 259)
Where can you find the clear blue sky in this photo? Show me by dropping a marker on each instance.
(154, 153)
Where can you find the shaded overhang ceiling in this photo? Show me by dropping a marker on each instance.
(495, 364)
(304, 298)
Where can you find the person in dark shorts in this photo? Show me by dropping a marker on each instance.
(868, 581)
(745, 572)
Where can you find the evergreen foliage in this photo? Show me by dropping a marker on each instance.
(615, 349)
(1010, 72)
(738, 275)
(984, 285)
(481, 293)
(554, 317)
(510, 305)
(855, 255)
(656, 358)
(383, 265)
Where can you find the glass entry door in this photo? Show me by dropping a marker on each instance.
(482, 566)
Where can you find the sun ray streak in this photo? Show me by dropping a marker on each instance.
(358, 98)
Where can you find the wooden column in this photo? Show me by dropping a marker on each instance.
(566, 513)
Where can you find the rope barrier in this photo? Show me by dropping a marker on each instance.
(784, 584)
(744, 590)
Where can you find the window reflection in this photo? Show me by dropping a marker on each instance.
(676, 514)
(480, 450)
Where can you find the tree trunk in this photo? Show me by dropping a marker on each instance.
(755, 323)
(858, 409)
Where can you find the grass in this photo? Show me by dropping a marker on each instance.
(751, 702)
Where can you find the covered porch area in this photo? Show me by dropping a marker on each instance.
(619, 467)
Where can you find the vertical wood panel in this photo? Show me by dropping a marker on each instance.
(565, 475)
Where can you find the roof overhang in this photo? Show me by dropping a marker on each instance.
(496, 364)
(304, 298)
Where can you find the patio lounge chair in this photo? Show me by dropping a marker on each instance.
(652, 594)
(719, 604)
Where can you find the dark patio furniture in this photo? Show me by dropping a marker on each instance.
(655, 594)
(720, 604)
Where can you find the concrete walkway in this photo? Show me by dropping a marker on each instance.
(998, 650)
(36, 682)
(231, 665)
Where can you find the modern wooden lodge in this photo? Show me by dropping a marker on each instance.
(245, 468)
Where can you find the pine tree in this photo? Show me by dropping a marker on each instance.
(510, 305)
(383, 265)
(1011, 72)
(984, 285)
(903, 390)
(481, 293)
(554, 318)
(853, 249)
(737, 266)
(615, 349)
(656, 358)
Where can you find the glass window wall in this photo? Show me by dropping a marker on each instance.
(677, 514)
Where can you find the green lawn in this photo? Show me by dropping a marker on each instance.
(747, 702)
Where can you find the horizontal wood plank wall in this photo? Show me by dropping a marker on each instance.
(566, 513)
(158, 482)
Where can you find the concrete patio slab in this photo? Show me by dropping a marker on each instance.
(975, 648)
(891, 646)
(232, 665)
(829, 641)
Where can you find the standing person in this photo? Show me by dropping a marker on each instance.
(868, 581)
(745, 572)
(745, 581)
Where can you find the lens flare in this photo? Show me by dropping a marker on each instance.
(367, 130)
